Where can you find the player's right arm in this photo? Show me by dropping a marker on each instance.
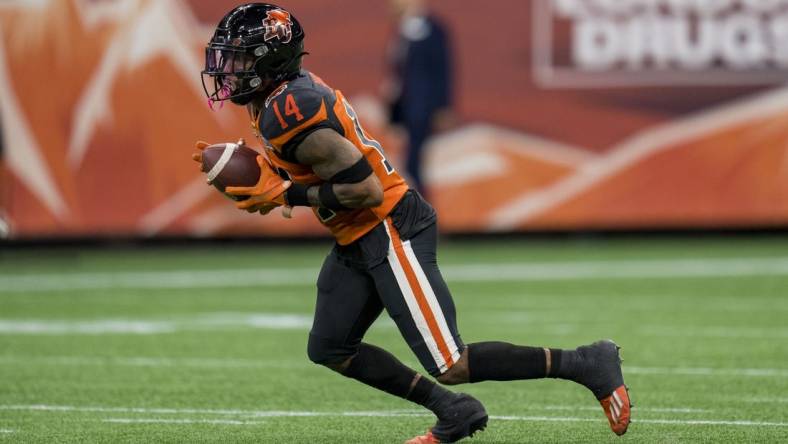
(346, 171)
(296, 123)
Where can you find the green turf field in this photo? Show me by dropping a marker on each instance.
(208, 345)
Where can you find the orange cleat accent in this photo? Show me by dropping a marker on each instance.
(617, 409)
(427, 438)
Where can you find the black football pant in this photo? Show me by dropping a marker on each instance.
(407, 284)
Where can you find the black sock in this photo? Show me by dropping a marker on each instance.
(565, 364)
(380, 369)
(430, 395)
(501, 361)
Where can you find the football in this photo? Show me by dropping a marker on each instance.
(230, 165)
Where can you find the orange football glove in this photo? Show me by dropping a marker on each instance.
(268, 194)
(266, 208)
(200, 145)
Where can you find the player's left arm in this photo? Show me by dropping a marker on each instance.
(349, 178)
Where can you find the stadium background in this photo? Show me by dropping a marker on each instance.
(102, 103)
(205, 340)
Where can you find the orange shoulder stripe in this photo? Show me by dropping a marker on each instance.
(321, 115)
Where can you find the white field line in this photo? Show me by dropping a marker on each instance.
(179, 421)
(639, 409)
(703, 371)
(221, 363)
(493, 417)
(275, 413)
(766, 400)
(645, 268)
(533, 271)
(218, 412)
(234, 363)
(90, 327)
(648, 421)
(384, 414)
(714, 332)
(285, 321)
(293, 321)
(7, 431)
(210, 321)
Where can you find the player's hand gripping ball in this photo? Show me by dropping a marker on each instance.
(242, 174)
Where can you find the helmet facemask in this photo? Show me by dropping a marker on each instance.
(230, 73)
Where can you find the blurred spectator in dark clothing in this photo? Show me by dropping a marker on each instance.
(4, 189)
(420, 87)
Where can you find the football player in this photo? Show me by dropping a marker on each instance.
(319, 156)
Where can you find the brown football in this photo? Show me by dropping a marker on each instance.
(230, 165)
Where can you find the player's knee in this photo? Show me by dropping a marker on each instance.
(457, 373)
(450, 378)
(321, 352)
(318, 351)
(339, 367)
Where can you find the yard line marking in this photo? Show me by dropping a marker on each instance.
(666, 409)
(57, 327)
(276, 321)
(221, 412)
(223, 363)
(712, 422)
(159, 279)
(7, 431)
(638, 408)
(287, 321)
(258, 413)
(179, 421)
(527, 271)
(704, 371)
(649, 421)
(766, 400)
(714, 332)
(502, 418)
(646, 268)
(143, 361)
(391, 414)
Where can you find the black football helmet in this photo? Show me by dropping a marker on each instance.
(256, 46)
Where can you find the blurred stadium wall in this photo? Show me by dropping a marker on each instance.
(577, 114)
